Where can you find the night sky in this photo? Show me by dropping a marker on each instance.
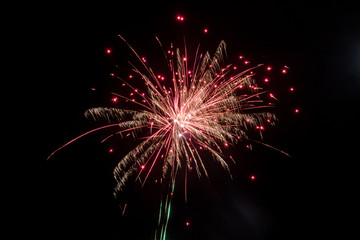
(62, 55)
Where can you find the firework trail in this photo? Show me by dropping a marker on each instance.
(206, 108)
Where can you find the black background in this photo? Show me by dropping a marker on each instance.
(61, 55)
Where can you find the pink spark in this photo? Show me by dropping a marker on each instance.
(268, 68)
(252, 177)
(142, 166)
(111, 150)
(240, 57)
(180, 18)
(108, 51)
(266, 80)
(283, 71)
(114, 99)
(187, 224)
(296, 110)
(246, 62)
(292, 89)
(205, 30)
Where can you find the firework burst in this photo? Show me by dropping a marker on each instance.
(205, 107)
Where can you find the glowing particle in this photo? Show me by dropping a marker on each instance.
(111, 150)
(292, 89)
(180, 135)
(268, 68)
(108, 51)
(114, 99)
(112, 74)
(234, 67)
(296, 110)
(187, 224)
(284, 71)
(130, 76)
(142, 166)
(180, 18)
(252, 177)
(205, 30)
(246, 62)
(266, 80)
(241, 57)
(93, 89)
(184, 59)
(226, 144)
